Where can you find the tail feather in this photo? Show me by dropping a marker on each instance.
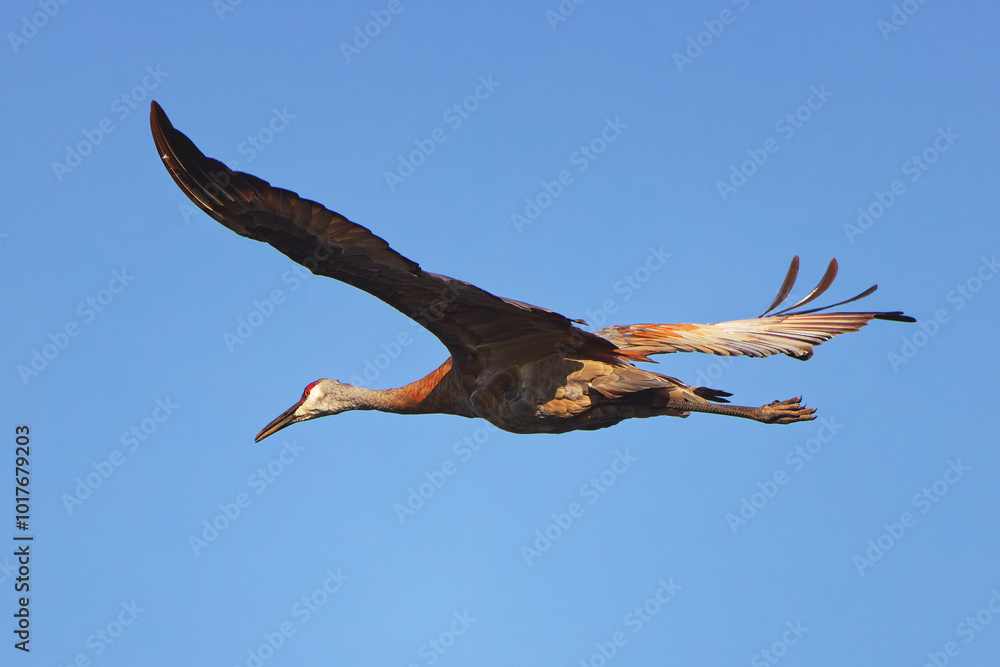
(714, 395)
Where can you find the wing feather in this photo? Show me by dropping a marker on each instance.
(784, 332)
(786, 286)
(477, 327)
(824, 284)
(794, 335)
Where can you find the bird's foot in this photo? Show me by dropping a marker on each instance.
(786, 412)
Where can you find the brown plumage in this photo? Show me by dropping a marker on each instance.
(523, 368)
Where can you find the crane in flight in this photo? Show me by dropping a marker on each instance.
(523, 368)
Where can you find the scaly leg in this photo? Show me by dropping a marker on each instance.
(775, 412)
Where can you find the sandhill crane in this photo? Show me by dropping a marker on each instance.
(523, 368)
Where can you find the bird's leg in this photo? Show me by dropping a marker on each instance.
(775, 412)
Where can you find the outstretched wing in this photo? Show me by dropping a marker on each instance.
(785, 332)
(478, 328)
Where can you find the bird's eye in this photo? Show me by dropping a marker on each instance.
(309, 388)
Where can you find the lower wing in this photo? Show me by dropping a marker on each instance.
(785, 332)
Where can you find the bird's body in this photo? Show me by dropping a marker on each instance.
(523, 368)
(556, 394)
(552, 394)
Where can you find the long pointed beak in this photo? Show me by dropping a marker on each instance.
(286, 418)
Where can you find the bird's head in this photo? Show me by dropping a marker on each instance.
(320, 398)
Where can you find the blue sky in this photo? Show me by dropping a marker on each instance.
(645, 162)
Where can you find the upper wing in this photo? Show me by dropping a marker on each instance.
(477, 327)
(794, 334)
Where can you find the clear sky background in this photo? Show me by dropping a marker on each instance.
(145, 345)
